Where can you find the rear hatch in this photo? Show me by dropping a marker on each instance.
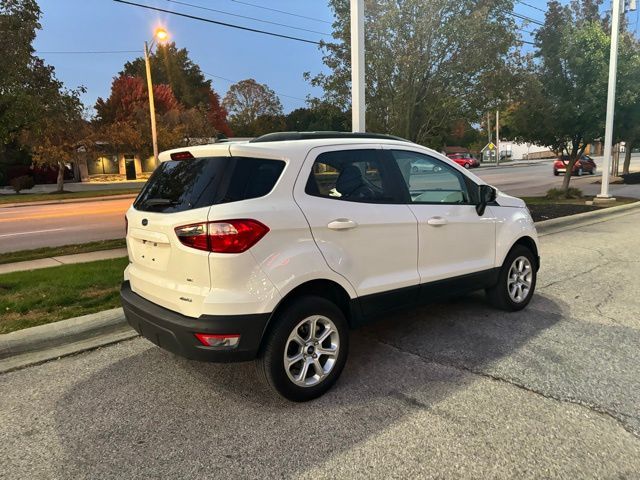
(174, 272)
(162, 269)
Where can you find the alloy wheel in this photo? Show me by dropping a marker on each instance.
(520, 279)
(311, 351)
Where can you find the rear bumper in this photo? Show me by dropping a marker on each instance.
(175, 332)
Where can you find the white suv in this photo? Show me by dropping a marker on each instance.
(272, 249)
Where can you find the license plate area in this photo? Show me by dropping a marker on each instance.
(150, 254)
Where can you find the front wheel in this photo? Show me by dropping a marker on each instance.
(516, 281)
(467, 166)
(305, 352)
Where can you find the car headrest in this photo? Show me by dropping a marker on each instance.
(349, 180)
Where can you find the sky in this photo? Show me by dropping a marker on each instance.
(104, 25)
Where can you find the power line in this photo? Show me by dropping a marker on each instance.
(531, 6)
(517, 15)
(235, 81)
(247, 18)
(281, 11)
(216, 22)
(88, 52)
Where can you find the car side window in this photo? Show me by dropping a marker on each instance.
(351, 175)
(430, 180)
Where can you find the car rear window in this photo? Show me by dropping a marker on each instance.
(180, 185)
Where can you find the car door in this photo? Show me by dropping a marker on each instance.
(359, 221)
(453, 240)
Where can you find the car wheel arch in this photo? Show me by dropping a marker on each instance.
(324, 288)
(528, 243)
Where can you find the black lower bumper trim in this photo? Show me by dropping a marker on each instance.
(175, 332)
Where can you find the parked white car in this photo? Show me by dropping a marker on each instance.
(272, 249)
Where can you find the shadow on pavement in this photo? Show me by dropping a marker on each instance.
(190, 419)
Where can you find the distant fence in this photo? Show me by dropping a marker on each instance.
(539, 155)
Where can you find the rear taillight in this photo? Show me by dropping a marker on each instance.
(227, 236)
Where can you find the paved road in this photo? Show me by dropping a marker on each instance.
(52, 225)
(455, 390)
(61, 224)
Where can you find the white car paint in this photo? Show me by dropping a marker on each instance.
(389, 247)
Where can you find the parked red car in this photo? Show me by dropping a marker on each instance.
(464, 159)
(582, 166)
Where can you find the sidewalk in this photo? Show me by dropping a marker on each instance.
(80, 186)
(63, 260)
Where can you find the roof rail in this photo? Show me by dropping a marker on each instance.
(285, 136)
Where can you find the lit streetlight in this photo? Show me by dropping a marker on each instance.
(160, 35)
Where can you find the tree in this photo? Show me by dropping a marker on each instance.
(428, 64)
(565, 99)
(122, 121)
(253, 108)
(319, 116)
(217, 115)
(627, 115)
(172, 66)
(128, 95)
(57, 140)
(37, 114)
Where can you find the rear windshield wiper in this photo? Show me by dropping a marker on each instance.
(152, 202)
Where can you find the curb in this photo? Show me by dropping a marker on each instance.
(39, 344)
(36, 345)
(561, 224)
(102, 198)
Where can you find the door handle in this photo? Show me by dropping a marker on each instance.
(437, 221)
(342, 224)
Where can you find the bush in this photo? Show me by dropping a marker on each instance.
(559, 194)
(24, 182)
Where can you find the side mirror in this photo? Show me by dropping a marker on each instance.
(486, 195)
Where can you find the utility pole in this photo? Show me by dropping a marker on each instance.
(489, 132)
(152, 107)
(357, 67)
(611, 102)
(497, 138)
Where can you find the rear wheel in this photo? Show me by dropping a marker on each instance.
(555, 172)
(580, 172)
(305, 352)
(516, 281)
(467, 166)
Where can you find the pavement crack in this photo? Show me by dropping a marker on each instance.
(575, 275)
(598, 409)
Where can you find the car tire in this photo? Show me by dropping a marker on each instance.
(519, 268)
(580, 172)
(467, 166)
(291, 337)
(555, 172)
(593, 171)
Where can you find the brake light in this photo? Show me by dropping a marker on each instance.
(181, 156)
(227, 236)
(209, 340)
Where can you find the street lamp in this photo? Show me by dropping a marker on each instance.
(160, 35)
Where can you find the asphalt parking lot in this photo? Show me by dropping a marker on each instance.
(453, 390)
